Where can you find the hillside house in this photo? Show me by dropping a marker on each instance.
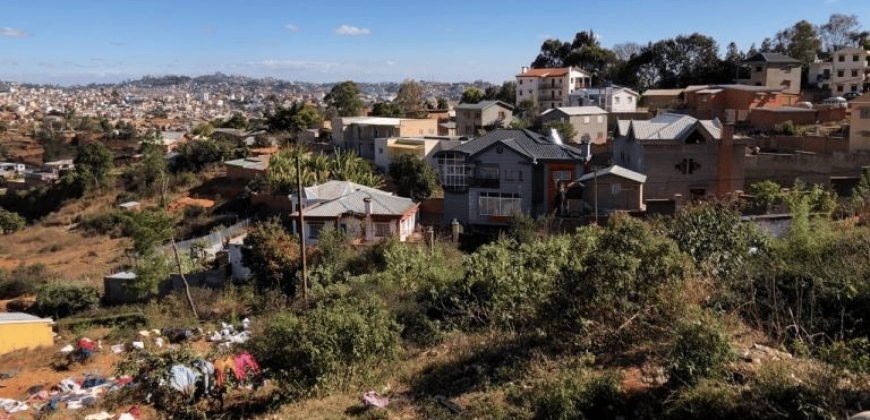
(550, 87)
(484, 115)
(590, 122)
(774, 70)
(359, 133)
(859, 130)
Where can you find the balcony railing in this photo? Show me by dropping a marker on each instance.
(492, 183)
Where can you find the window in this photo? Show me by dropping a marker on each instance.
(855, 58)
(382, 230)
(758, 69)
(827, 73)
(786, 83)
(854, 88)
(453, 170)
(600, 119)
(616, 99)
(499, 204)
(510, 175)
(787, 71)
(841, 58)
(854, 73)
(841, 73)
(487, 172)
(585, 120)
(561, 176)
(314, 229)
(865, 113)
(839, 88)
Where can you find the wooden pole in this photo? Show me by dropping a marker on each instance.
(596, 195)
(301, 228)
(183, 279)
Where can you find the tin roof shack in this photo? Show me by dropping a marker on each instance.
(616, 188)
(23, 331)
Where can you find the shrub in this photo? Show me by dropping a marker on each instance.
(708, 399)
(60, 300)
(306, 353)
(699, 351)
(23, 279)
(853, 355)
(11, 222)
(570, 398)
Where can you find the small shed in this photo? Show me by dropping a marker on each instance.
(23, 331)
(617, 189)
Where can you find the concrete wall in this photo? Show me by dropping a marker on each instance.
(813, 168)
(589, 127)
(859, 131)
(785, 76)
(815, 144)
(769, 117)
(411, 128)
(29, 335)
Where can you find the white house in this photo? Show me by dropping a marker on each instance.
(550, 88)
(610, 99)
(422, 147)
(367, 214)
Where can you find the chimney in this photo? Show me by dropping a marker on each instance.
(523, 70)
(368, 202)
(723, 162)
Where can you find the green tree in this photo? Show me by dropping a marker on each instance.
(565, 129)
(413, 177)
(203, 129)
(273, 256)
(472, 95)
(800, 41)
(388, 109)
(765, 194)
(11, 222)
(527, 109)
(149, 228)
(94, 164)
(344, 99)
(294, 118)
(148, 175)
(508, 93)
(410, 98)
(840, 31)
(442, 103)
(237, 121)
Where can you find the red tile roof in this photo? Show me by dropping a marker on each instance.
(554, 72)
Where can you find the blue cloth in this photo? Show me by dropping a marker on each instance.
(183, 379)
(92, 382)
(207, 371)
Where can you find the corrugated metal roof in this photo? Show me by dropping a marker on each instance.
(618, 171)
(668, 127)
(20, 318)
(663, 92)
(579, 110)
(331, 190)
(482, 105)
(383, 204)
(524, 142)
(258, 163)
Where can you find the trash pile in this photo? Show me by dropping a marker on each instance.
(69, 393)
(228, 335)
(200, 377)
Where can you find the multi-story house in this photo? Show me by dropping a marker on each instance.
(774, 70)
(859, 130)
(611, 98)
(590, 122)
(681, 156)
(846, 70)
(484, 115)
(489, 179)
(359, 133)
(550, 88)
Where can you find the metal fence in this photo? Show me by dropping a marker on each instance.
(214, 239)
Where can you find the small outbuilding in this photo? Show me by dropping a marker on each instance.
(23, 331)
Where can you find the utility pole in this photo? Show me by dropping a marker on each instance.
(301, 228)
(596, 194)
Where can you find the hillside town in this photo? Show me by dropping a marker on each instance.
(660, 231)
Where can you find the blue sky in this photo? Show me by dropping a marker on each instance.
(67, 42)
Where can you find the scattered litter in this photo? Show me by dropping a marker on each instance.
(99, 416)
(138, 345)
(183, 379)
(144, 334)
(178, 335)
(7, 375)
(158, 342)
(87, 344)
(12, 406)
(155, 332)
(126, 416)
(372, 399)
(67, 349)
(92, 382)
(228, 334)
(117, 348)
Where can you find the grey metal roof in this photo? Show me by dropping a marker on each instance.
(257, 163)
(668, 127)
(525, 142)
(578, 110)
(383, 204)
(331, 190)
(20, 318)
(483, 105)
(772, 58)
(615, 170)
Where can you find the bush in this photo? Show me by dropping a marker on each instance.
(708, 399)
(307, 353)
(853, 355)
(59, 300)
(570, 398)
(11, 222)
(699, 351)
(23, 279)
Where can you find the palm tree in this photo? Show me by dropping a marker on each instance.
(319, 165)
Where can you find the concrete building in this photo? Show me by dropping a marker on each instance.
(484, 115)
(368, 214)
(774, 70)
(489, 179)
(859, 130)
(23, 331)
(613, 99)
(422, 147)
(359, 133)
(709, 102)
(655, 99)
(846, 71)
(550, 88)
(589, 121)
(682, 157)
(248, 169)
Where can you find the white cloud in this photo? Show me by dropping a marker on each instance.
(291, 27)
(351, 30)
(14, 33)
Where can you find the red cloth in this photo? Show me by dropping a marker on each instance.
(87, 344)
(134, 411)
(243, 361)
